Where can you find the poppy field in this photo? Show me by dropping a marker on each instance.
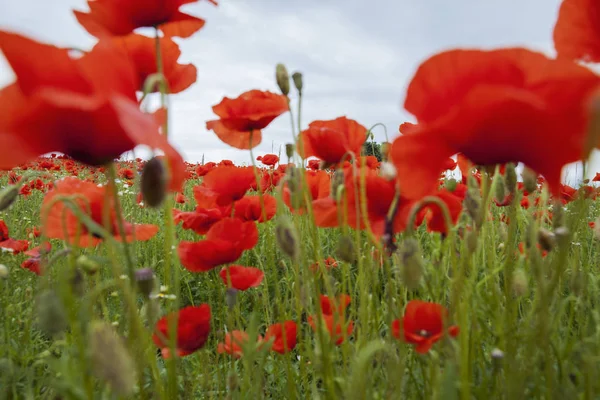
(451, 261)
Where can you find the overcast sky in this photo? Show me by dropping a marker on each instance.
(357, 56)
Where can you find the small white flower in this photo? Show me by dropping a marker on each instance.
(497, 354)
(387, 171)
(3, 271)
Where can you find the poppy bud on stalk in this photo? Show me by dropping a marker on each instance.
(412, 264)
(287, 237)
(289, 150)
(89, 265)
(145, 281)
(336, 182)
(154, 182)
(473, 204)
(451, 184)
(529, 179)
(51, 314)
(388, 171)
(500, 189)
(3, 271)
(110, 358)
(520, 284)
(8, 195)
(511, 178)
(345, 249)
(283, 79)
(558, 215)
(546, 239)
(297, 78)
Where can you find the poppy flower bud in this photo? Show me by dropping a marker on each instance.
(89, 265)
(412, 264)
(546, 239)
(562, 235)
(385, 150)
(51, 314)
(500, 189)
(289, 150)
(577, 283)
(520, 284)
(558, 214)
(451, 184)
(511, 178)
(471, 240)
(77, 282)
(529, 179)
(154, 182)
(287, 237)
(110, 358)
(283, 78)
(345, 249)
(297, 78)
(145, 281)
(473, 204)
(3, 271)
(387, 171)
(337, 182)
(8, 195)
(233, 381)
(231, 297)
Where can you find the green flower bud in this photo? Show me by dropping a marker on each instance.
(154, 182)
(283, 79)
(51, 314)
(287, 237)
(8, 195)
(345, 249)
(297, 78)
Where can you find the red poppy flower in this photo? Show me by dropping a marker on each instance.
(202, 170)
(225, 242)
(248, 208)
(228, 184)
(115, 18)
(596, 177)
(423, 324)
(242, 118)
(200, 220)
(577, 30)
(335, 306)
(240, 277)
(333, 140)
(180, 198)
(337, 327)
(141, 50)
(328, 263)
(434, 216)
(268, 159)
(193, 328)
(61, 223)
(12, 245)
(85, 107)
(494, 107)
(234, 343)
(284, 335)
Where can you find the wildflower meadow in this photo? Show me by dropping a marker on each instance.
(449, 262)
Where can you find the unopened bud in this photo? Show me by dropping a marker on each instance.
(145, 281)
(471, 241)
(385, 150)
(546, 239)
(283, 79)
(563, 236)
(529, 179)
(451, 184)
(473, 204)
(77, 282)
(8, 195)
(510, 178)
(297, 78)
(233, 381)
(88, 264)
(337, 183)
(345, 249)
(577, 283)
(287, 237)
(289, 150)
(558, 214)
(110, 358)
(231, 297)
(154, 182)
(412, 264)
(388, 171)
(500, 189)
(3, 271)
(520, 283)
(51, 314)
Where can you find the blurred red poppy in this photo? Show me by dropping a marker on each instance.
(193, 328)
(234, 343)
(284, 335)
(242, 118)
(335, 306)
(141, 50)
(240, 277)
(268, 159)
(337, 326)
(115, 18)
(494, 107)
(228, 184)
(423, 324)
(248, 208)
(59, 222)
(333, 140)
(224, 243)
(84, 107)
(12, 245)
(577, 30)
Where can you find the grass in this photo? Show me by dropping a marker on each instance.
(529, 325)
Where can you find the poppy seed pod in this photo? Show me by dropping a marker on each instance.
(345, 249)
(287, 237)
(110, 358)
(529, 179)
(51, 314)
(154, 182)
(283, 78)
(8, 195)
(297, 78)
(289, 150)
